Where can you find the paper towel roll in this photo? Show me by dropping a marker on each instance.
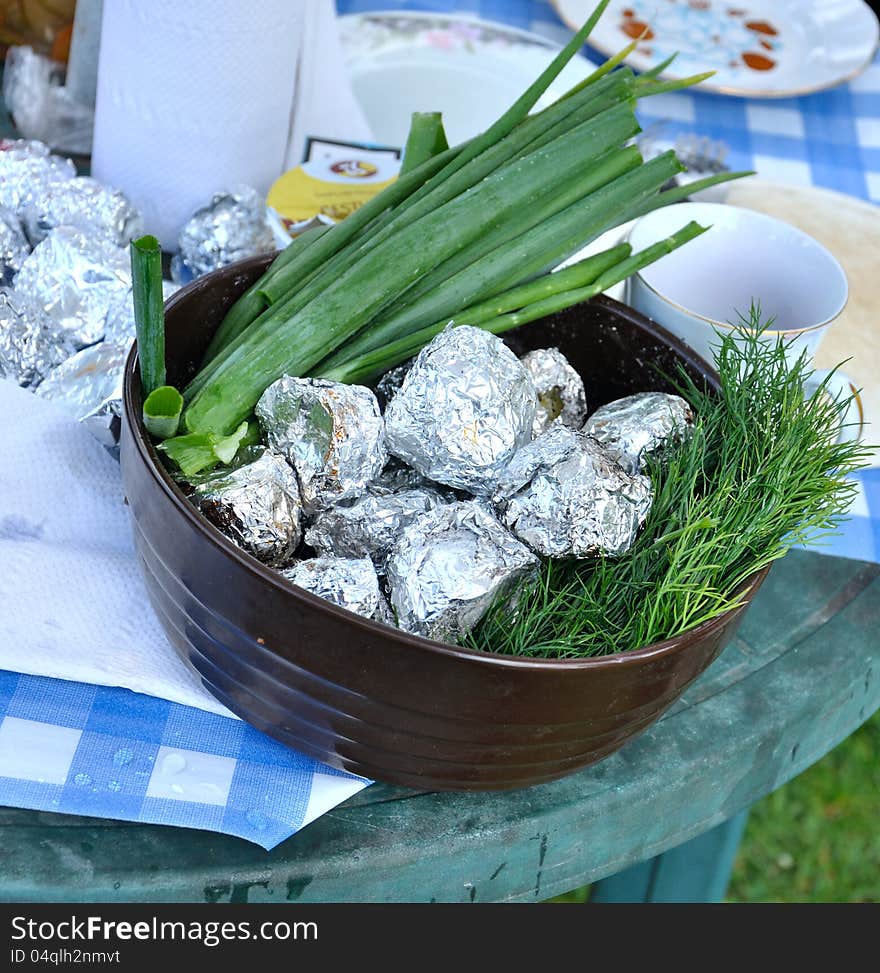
(192, 98)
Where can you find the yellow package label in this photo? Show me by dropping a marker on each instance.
(335, 180)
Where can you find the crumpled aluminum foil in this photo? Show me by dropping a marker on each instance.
(560, 389)
(14, 246)
(369, 526)
(634, 427)
(30, 345)
(450, 565)
(231, 227)
(73, 278)
(351, 583)
(582, 505)
(465, 407)
(86, 204)
(331, 434)
(28, 172)
(89, 386)
(389, 384)
(256, 504)
(550, 447)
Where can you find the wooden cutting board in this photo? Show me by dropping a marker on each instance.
(850, 229)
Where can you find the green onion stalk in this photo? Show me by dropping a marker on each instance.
(468, 234)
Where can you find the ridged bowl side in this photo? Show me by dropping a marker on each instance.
(367, 698)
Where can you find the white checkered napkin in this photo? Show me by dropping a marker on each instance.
(110, 753)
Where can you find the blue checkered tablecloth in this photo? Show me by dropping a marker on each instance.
(108, 752)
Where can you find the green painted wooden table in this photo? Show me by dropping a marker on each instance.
(663, 816)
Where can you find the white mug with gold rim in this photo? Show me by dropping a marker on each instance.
(698, 290)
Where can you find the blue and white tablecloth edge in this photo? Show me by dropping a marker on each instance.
(110, 753)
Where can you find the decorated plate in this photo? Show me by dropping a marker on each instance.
(758, 48)
(471, 70)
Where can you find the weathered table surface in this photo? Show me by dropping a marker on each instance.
(803, 673)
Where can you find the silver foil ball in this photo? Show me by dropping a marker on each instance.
(28, 172)
(30, 344)
(637, 426)
(465, 407)
(331, 434)
(350, 583)
(88, 386)
(74, 278)
(85, 203)
(370, 525)
(257, 505)
(560, 389)
(231, 227)
(450, 565)
(580, 505)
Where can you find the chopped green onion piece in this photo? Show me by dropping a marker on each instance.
(162, 410)
(426, 139)
(149, 312)
(227, 446)
(195, 452)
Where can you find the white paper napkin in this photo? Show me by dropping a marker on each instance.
(72, 603)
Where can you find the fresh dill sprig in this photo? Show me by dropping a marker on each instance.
(761, 472)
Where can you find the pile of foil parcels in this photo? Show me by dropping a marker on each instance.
(66, 307)
(430, 513)
(66, 312)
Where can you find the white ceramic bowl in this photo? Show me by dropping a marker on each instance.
(698, 291)
(745, 257)
(469, 69)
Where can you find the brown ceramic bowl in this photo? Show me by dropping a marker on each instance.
(367, 698)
